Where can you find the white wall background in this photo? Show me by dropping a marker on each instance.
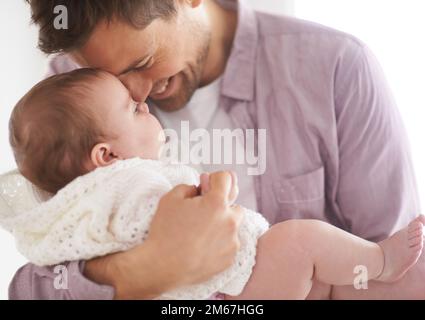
(392, 28)
(273, 6)
(21, 66)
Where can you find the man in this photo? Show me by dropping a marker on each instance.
(336, 147)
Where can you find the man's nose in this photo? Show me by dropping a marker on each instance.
(138, 86)
(144, 107)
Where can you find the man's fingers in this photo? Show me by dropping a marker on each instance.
(237, 212)
(184, 191)
(234, 191)
(234, 176)
(220, 185)
(205, 183)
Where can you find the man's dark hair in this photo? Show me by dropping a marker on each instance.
(84, 15)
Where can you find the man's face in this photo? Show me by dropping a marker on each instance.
(164, 61)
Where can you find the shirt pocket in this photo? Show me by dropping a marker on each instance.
(301, 197)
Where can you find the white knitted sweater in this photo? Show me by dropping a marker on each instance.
(110, 210)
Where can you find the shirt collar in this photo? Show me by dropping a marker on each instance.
(239, 76)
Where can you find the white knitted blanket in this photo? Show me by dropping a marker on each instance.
(110, 210)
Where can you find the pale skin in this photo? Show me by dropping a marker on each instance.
(207, 242)
(292, 254)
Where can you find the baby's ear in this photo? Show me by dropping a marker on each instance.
(102, 155)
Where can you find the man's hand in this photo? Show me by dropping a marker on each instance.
(204, 186)
(191, 238)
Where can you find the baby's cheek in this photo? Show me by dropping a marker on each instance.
(158, 138)
(151, 148)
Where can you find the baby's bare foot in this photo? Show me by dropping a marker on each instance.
(402, 250)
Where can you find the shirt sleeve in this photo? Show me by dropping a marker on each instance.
(376, 189)
(64, 282)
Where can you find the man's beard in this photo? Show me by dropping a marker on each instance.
(190, 80)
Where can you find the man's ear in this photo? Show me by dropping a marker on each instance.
(102, 155)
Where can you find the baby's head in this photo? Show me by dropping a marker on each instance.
(70, 124)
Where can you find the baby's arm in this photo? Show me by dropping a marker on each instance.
(294, 253)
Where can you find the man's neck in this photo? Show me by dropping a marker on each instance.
(223, 29)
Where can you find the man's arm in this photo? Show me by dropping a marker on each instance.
(191, 238)
(66, 282)
(376, 190)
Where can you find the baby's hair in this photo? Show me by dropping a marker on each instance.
(53, 129)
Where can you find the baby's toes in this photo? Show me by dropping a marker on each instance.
(414, 226)
(416, 237)
(418, 221)
(421, 219)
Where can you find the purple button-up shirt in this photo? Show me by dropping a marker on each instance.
(336, 147)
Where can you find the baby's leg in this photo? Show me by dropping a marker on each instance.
(283, 270)
(294, 253)
(411, 286)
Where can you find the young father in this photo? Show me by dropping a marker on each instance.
(336, 147)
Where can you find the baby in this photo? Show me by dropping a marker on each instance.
(81, 137)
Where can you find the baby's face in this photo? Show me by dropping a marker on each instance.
(134, 131)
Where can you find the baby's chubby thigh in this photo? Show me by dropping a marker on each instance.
(283, 269)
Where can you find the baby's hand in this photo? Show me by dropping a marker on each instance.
(234, 191)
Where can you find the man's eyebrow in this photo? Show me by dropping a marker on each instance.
(134, 64)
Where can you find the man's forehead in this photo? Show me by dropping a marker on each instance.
(114, 46)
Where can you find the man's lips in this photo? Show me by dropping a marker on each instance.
(163, 89)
